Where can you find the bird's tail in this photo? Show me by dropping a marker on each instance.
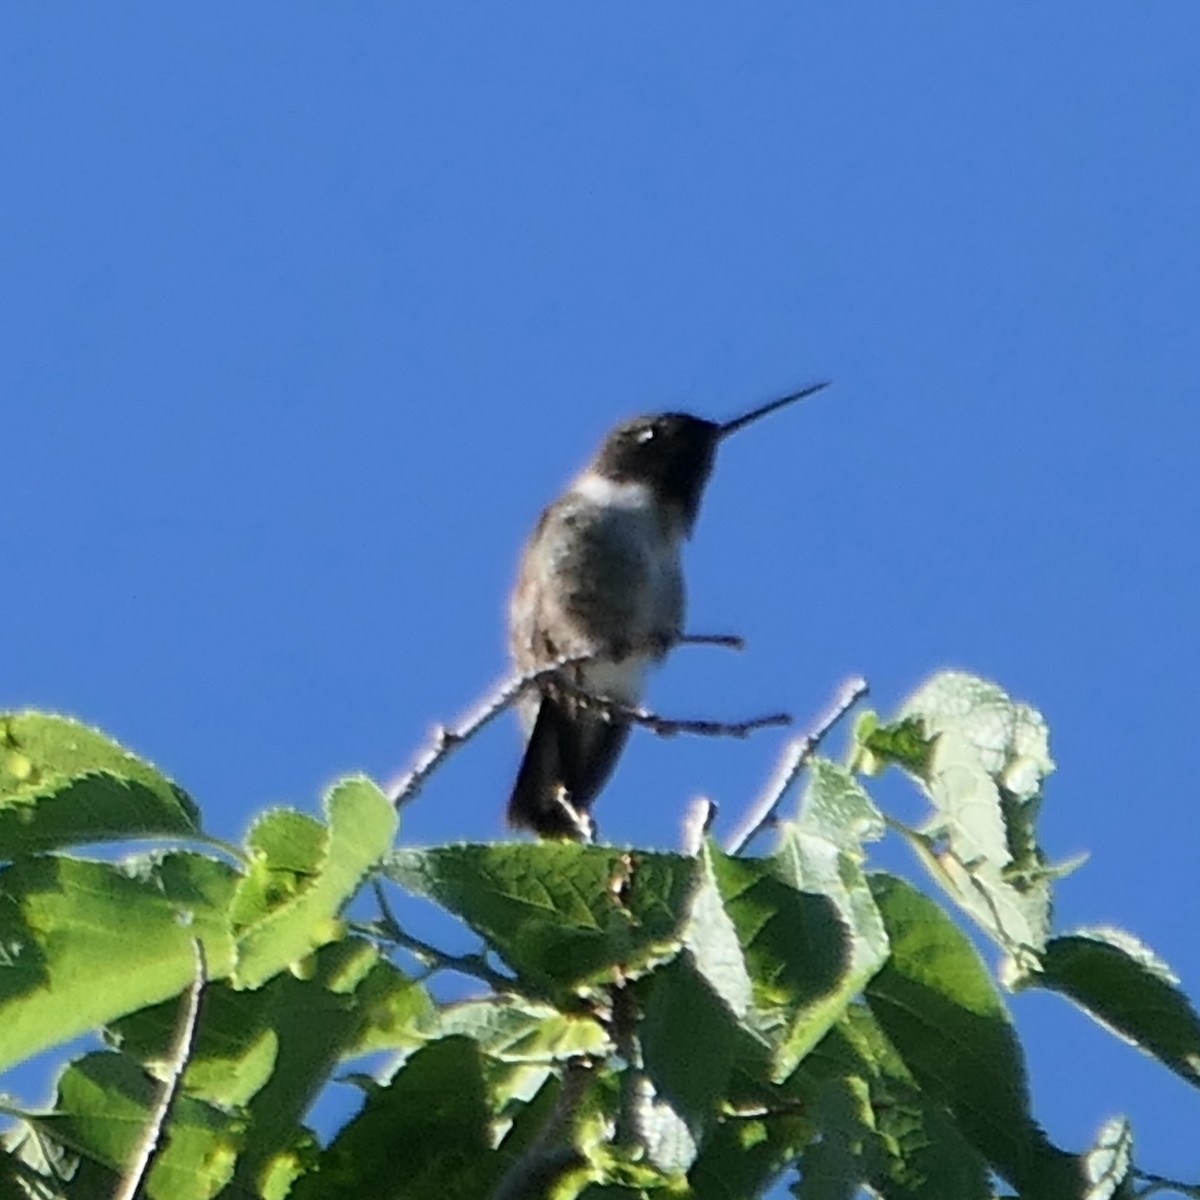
(569, 757)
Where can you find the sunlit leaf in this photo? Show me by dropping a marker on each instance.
(515, 1030)
(102, 1111)
(83, 943)
(63, 783)
(806, 918)
(270, 1051)
(362, 828)
(985, 766)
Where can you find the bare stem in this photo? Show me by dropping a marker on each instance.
(669, 726)
(552, 1153)
(474, 965)
(446, 741)
(795, 758)
(730, 641)
(1158, 1183)
(185, 1039)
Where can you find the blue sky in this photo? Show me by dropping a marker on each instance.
(305, 312)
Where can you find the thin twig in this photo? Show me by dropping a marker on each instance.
(670, 726)
(446, 741)
(181, 1051)
(730, 641)
(1159, 1183)
(475, 965)
(635, 1091)
(793, 762)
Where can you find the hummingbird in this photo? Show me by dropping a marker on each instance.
(601, 580)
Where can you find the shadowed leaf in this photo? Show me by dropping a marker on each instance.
(1123, 985)
(433, 1120)
(938, 1007)
(562, 916)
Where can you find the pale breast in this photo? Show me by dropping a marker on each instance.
(600, 573)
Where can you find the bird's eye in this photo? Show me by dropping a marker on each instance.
(646, 434)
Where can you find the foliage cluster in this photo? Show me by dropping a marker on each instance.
(644, 1024)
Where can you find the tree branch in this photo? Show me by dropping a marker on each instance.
(552, 1153)
(185, 1039)
(1159, 1183)
(635, 1090)
(670, 726)
(446, 740)
(795, 758)
(475, 965)
(730, 641)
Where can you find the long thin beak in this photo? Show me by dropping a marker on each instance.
(746, 418)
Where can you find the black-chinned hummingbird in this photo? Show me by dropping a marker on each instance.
(602, 578)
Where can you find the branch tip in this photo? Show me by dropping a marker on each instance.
(796, 756)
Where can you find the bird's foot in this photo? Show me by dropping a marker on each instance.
(579, 822)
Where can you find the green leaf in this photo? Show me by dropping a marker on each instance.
(395, 1012)
(926, 1155)
(743, 1155)
(102, 1111)
(527, 1120)
(694, 1011)
(522, 1041)
(33, 1164)
(857, 1045)
(1011, 738)
(688, 1036)
(561, 915)
(890, 1138)
(285, 849)
(710, 940)
(294, 911)
(83, 943)
(806, 918)
(513, 1030)
(987, 762)
(904, 743)
(886, 1132)
(823, 853)
(795, 945)
(661, 1188)
(815, 866)
(433, 1121)
(63, 783)
(654, 1146)
(938, 1007)
(1121, 983)
(270, 1051)
(850, 1151)
(836, 808)
(315, 1023)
